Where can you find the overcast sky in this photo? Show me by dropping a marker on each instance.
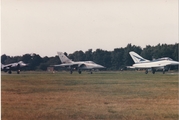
(47, 26)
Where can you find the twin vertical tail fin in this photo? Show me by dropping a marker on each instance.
(137, 58)
(63, 58)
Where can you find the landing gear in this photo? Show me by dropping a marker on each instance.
(79, 71)
(153, 71)
(18, 72)
(163, 71)
(91, 71)
(146, 71)
(9, 71)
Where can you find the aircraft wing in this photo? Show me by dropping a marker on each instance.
(62, 65)
(145, 66)
(7, 66)
(164, 64)
(81, 65)
(131, 67)
(72, 65)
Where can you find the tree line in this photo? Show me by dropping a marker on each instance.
(117, 59)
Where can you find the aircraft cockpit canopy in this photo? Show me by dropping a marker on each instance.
(165, 58)
(91, 62)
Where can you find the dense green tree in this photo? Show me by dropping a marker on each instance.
(27, 58)
(3, 58)
(102, 57)
(147, 52)
(53, 61)
(175, 53)
(77, 56)
(89, 55)
(43, 66)
(35, 61)
(112, 60)
(117, 57)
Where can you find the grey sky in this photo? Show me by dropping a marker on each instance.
(47, 26)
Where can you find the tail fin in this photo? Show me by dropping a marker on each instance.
(63, 58)
(137, 58)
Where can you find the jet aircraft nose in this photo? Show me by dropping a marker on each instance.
(100, 66)
(23, 64)
(26, 64)
(175, 63)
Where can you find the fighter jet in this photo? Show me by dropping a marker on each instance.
(13, 66)
(80, 65)
(142, 63)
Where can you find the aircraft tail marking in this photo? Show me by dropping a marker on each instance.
(137, 58)
(63, 58)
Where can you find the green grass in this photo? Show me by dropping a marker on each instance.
(102, 95)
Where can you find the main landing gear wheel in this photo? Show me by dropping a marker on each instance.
(163, 71)
(146, 71)
(79, 71)
(9, 71)
(18, 72)
(153, 71)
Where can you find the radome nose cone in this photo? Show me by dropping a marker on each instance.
(175, 63)
(101, 66)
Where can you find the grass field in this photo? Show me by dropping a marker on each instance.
(98, 96)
